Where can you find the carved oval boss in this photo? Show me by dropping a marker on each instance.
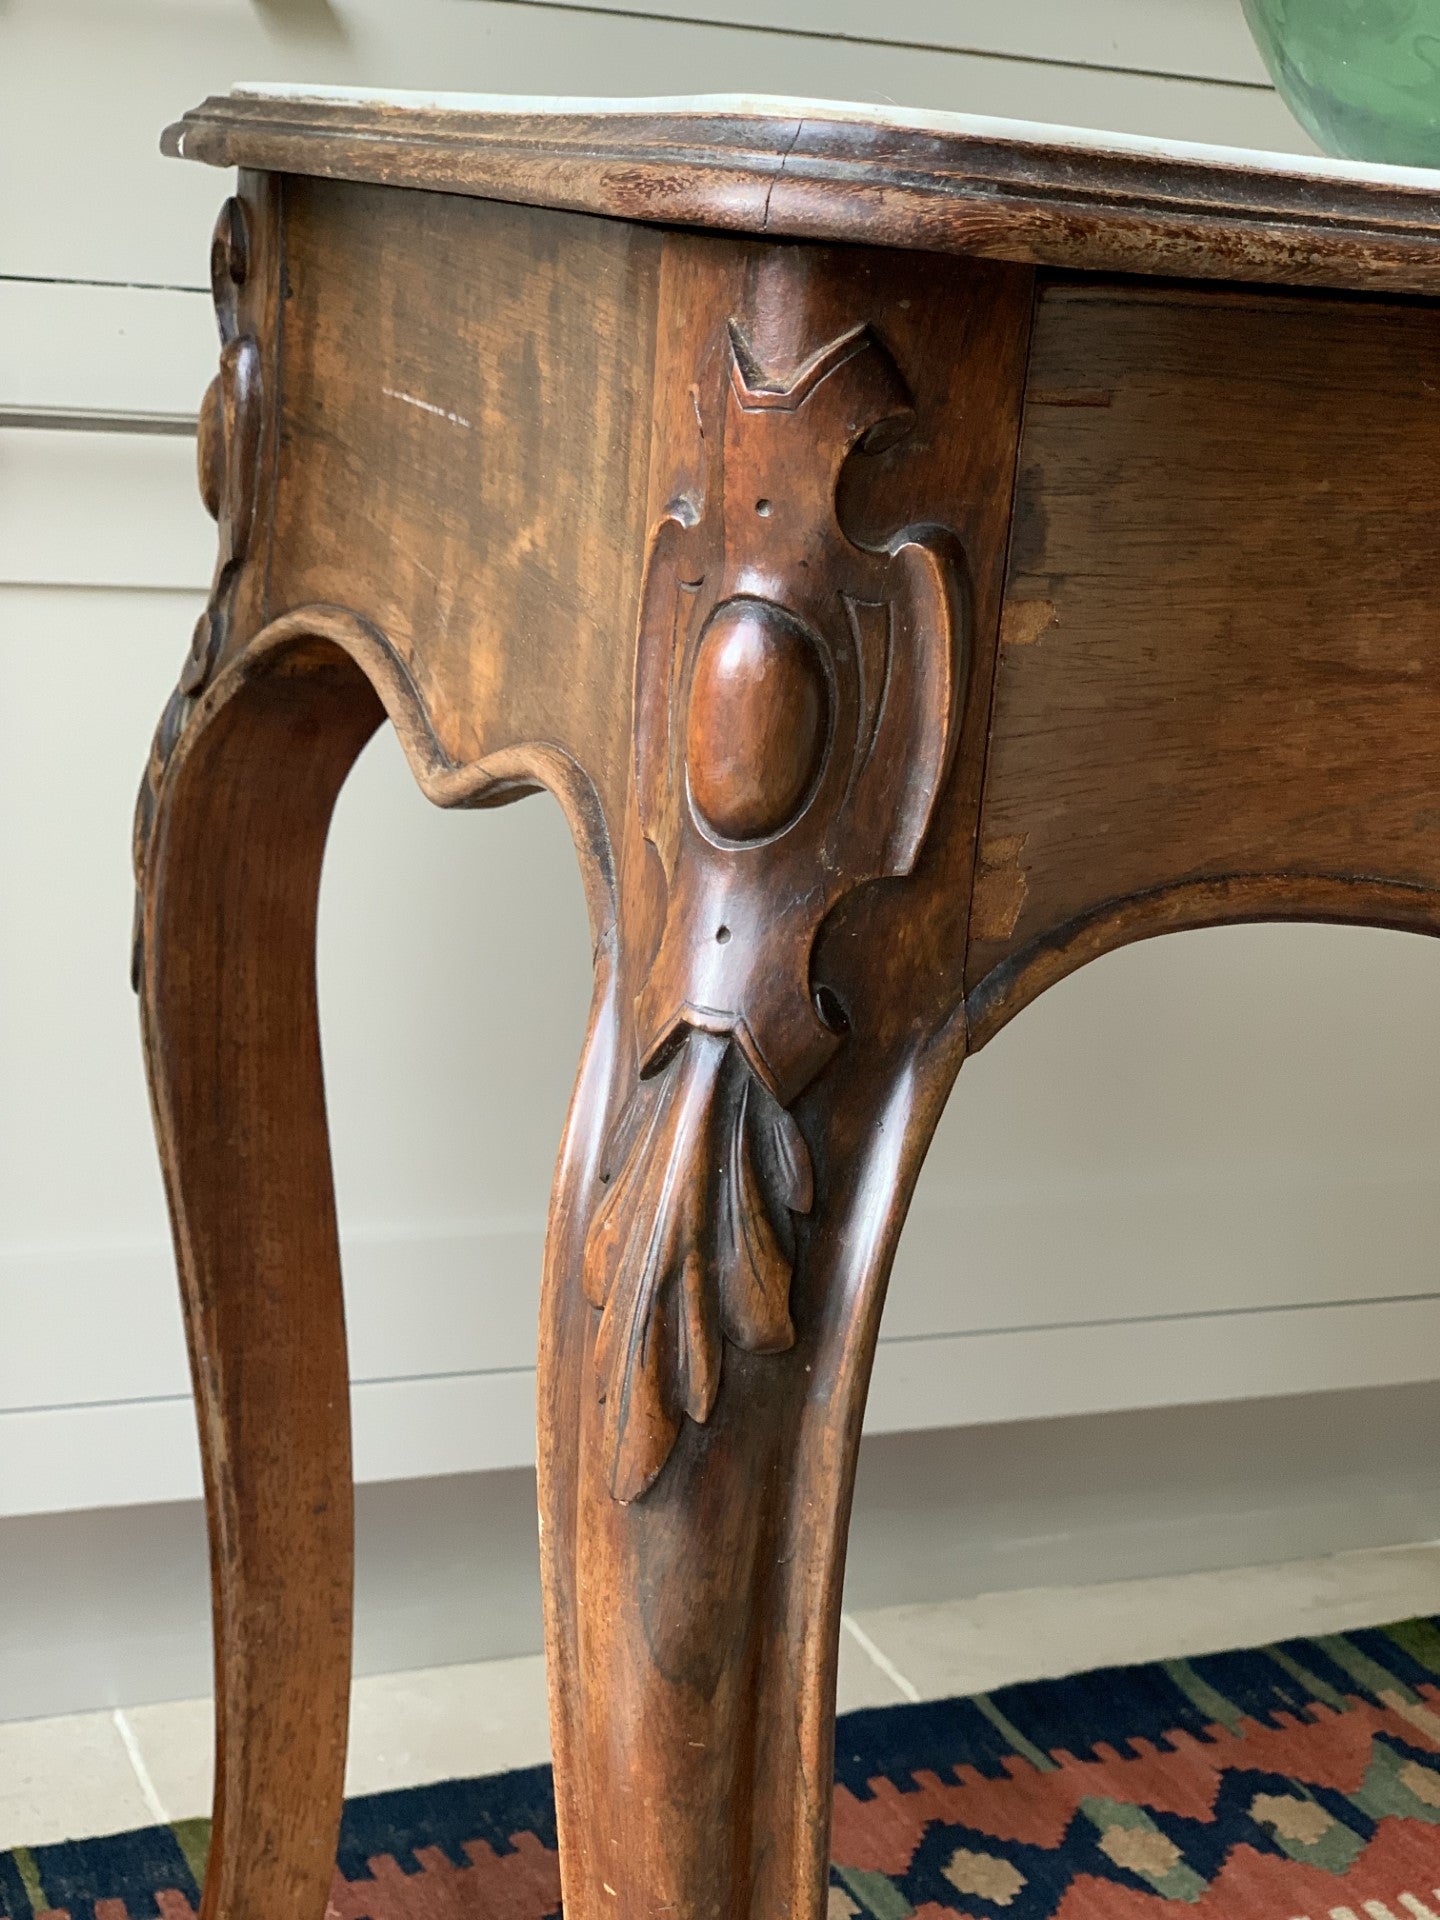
(758, 717)
(796, 700)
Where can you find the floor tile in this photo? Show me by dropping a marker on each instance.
(66, 1779)
(73, 1776)
(406, 1729)
(971, 1646)
(442, 1723)
(864, 1680)
(176, 1745)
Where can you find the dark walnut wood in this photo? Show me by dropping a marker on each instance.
(898, 629)
(1216, 697)
(844, 664)
(228, 464)
(817, 171)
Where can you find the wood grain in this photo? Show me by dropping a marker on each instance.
(232, 446)
(472, 415)
(1040, 200)
(466, 431)
(232, 1046)
(1218, 697)
(709, 533)
(753, 1109)
(798, 698)
(360, 490)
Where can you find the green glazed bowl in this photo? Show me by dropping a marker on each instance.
(1361, 76)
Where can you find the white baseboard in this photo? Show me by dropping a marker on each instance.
(111, 1608)
(986, 1325)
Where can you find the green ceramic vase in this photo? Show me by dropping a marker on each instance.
(1361, 76)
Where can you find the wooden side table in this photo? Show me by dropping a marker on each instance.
(920, 554)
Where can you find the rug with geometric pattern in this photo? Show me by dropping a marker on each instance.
(1292, 1782)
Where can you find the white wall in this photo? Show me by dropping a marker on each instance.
(1201, 1171)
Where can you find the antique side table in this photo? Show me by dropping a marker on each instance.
(920, 554)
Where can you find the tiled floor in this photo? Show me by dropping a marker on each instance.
(94, 1772)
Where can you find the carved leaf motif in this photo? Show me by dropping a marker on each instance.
(753, 1265)
(228, 462)
(686, 1247)
(797, 696)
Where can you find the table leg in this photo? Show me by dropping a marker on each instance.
(231, 844)
(779, 870)
(693, 1629)
(776, 1029)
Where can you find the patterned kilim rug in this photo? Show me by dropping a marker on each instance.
(1294, 1782)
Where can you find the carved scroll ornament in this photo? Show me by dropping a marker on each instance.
(796, 706)
(228, 462)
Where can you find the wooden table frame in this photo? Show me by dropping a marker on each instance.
(919, 557)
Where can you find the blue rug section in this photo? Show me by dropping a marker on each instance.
(445, 1817)
(1294, 1780)
(1111, 1707)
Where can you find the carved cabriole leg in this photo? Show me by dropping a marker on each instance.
(230, 831)
(232, 1046)
(271, 709)
(779, 915)
(775, 1032)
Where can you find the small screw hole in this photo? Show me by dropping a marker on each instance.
(762, 507)
(722, 934)
(831, 1010)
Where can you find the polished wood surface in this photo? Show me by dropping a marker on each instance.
(1216, 697)
(897, 629)
(819, 171)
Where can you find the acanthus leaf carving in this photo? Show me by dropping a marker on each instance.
(678, 1263)
(797, 702)
(228, 469)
